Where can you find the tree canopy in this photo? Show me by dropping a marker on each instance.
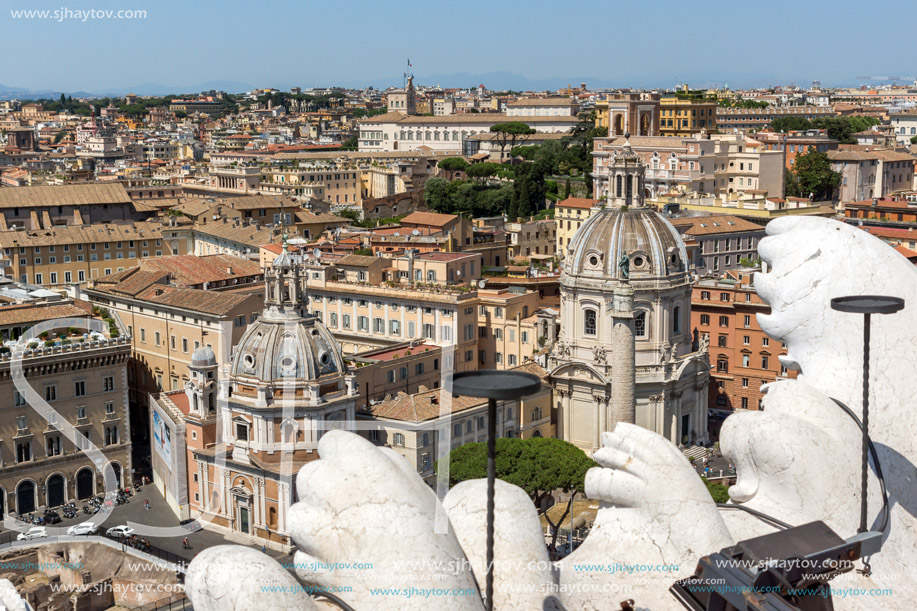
(812, 175)
(510, 133)
(539, 465)
(838, 128)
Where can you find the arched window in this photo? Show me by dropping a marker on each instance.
(537, 433)
(630, 185)
(640, 324)
(589, 322)
(618, 186)
(676, 320)
(272, 518)
(913, 131)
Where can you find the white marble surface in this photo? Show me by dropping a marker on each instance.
(656, 519)
(233, 577)
(364, 504)
(524, 577)
(9, 597)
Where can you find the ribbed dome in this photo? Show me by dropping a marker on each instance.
(203, 357)
(275, 350)
(652, 243)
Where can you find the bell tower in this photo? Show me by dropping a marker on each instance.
(625, 178)
(201, 389)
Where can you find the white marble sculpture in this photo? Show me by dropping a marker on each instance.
(9, 597)
(797, 460)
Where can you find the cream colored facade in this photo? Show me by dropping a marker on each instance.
(73, 255)
(86, 384)
(568, 216)
(511, 328)
(165, 330)
(531, 238)
(329, 182)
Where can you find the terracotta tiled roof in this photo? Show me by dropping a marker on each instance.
(209, 302)
(357, 261)
(862, 155)
(64, 195)
(31, 313)
(421, 406)
(191, 270)
(708, 225)
(81, 234)
(132, 281)
(578, 202)
(433, 219)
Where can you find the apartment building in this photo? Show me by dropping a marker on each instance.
(409, 367)
(754, 119)
(904, 124)
(529, 238)
(742, 356)
(542, 107)
(682, 117)
(72, 254)
(330, 181)
(744, 164)
(868, 174)
(84, 380)
(683, 165)
(168, 322)
(723, 242)
(414, 426)
(569, 214)
(795, 143)
(46, 207)
(397, 131)
(512, 327)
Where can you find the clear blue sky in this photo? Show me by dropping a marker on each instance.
(614, 43)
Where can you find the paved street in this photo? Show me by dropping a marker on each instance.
(160, 515)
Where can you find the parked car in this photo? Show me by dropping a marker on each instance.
(36, 532)
(52, 517)
(120, 531)
(83, 528)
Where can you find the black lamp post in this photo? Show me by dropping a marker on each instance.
(867, 305)
(493, 385)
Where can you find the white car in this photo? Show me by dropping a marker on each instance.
(36, 532)
(120, 531)
(83, 528)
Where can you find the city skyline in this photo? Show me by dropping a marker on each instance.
(173, 48)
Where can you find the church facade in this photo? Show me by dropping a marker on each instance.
(626, 352)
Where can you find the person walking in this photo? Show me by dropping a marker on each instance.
(146, 504)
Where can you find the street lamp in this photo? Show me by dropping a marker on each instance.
(493, 385)
(867, 305)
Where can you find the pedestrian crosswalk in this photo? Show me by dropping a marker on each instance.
(695, 452)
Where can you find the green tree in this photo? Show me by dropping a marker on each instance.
(510, 133)
(787, 124)
(537, 465)
(59, 136)
(913, 139)
(453, 165)
(482, 171)
(351, 143)
(812, 175)
(719, 492)
(566, 193)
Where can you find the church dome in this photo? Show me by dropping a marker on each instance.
(292, 350)
(652, 244)
(203, 357)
